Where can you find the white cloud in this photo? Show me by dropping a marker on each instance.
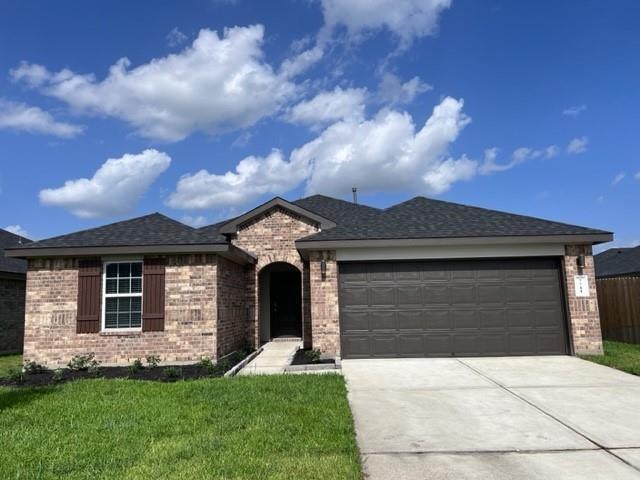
(387, 153)
(25, 118)
(392, 90)
(252, 178)
(574, 110)
(215, 85)
(327, 107)
(578, 145)
(384, 153)
(195, 222)
(175, 38)
(408, 19)
(618, 178)
(17, 230)
(519, 155)
(113, 190)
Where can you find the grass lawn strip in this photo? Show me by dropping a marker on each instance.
(622, 356)
(265, 427)
(9, 361)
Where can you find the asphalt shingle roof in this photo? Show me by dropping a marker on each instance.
(153, 229)
(12, 265)
(617, 261)
(423, 217)
(416, 218)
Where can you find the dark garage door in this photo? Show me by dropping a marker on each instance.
(451, 308)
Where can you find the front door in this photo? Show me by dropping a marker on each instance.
(286, 304)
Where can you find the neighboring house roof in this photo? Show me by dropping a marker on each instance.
(11, 265)
(418, 218)
(617, 262)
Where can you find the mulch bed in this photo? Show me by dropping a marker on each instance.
(166, 373)
(301, 358)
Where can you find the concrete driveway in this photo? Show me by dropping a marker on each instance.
(495, 418)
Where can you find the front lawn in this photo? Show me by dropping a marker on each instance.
(8, 362)
(265, 427)
(623, 356)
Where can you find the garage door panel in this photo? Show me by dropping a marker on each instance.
(355, 296)
(451, 307)
(355, 321)
(409, 295)
(438, 319)
(438, 345)
(410, 320)
(382, 296)
(462, 294)
(384, 320)
(433, 294)
(464, 319)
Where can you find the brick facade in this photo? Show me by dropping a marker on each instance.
(12, 298)
(325, 321)
(584, 317)
(271, 238)
(190, 315)
(232, 312)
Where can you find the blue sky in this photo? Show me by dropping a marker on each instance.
(524, 107)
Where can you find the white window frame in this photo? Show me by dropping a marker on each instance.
(106, 295)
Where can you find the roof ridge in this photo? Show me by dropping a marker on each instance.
(338, 200)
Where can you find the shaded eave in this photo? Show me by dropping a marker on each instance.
(582, 239)
(232, 226)
(225, 250)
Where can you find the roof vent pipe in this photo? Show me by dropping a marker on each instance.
(354, 190)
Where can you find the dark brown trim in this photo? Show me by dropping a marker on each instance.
(89, 295)
(153, 295)
(232, 226)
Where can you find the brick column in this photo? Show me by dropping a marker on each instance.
(325, 326)
(584, 317)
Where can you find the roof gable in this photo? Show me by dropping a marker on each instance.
(231, 226)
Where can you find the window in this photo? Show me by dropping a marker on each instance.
(122, 296)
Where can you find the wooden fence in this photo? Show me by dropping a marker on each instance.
(619, 302)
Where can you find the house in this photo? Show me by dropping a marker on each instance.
(12, 294)
(421, 278)
(618, 262)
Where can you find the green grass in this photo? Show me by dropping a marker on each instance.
(9, 361)
(623, 356)
(269, 427)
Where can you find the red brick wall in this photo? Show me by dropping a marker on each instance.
(12, 298)
(584, 317)
(190, 316)
(271, 238)
(232, 312)
(325, 321)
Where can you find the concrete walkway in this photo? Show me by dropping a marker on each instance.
(495, 418)
(274, 357)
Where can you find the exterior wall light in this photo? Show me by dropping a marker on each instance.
(580, 262)
(323, 268)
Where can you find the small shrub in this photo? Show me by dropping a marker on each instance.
(32, 367)
(83, 362)
(153, 361)
(136, 366)
(58, 375)
(222, 366)
(172, 372)
(94, 369)
(16, 375)
(313, 355)
(207, 365)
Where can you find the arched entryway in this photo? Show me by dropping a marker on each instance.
(280, 301)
